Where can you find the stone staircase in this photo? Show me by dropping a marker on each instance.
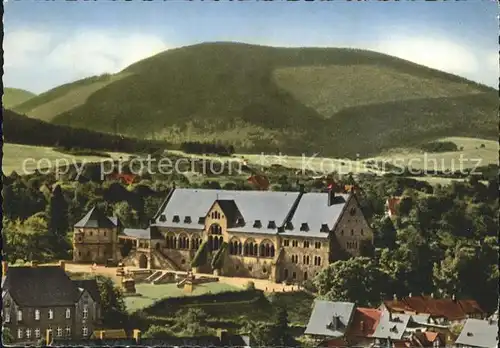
(166, 277)
(154, 276)
(162, 261)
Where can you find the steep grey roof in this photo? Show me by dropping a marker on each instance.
(40, 286)
(479, 333)
(253, 205)
(148, 233)
(314, 210)
(91, 286)
(322, 315)
(420, 318)
(95, 218)
(265, 206)
(392, 325)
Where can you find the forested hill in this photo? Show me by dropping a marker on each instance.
(339, 102)
(20, 129)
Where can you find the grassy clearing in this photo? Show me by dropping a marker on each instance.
(152, 293)
(318, 86)
(15, 96)
(14, 156)
(70, 98)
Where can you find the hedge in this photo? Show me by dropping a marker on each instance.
(200, 258)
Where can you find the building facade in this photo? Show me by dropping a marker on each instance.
(95, 238)
(281, 236)
(37, 299)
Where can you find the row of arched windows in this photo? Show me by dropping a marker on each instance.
(183, 242)
(215, 229)
(251, 248)
(214, 242)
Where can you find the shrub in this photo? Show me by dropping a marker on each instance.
(250, 285)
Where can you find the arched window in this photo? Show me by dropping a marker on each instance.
(215, 229)
(255, 250)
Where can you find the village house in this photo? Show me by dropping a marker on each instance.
(478, 334)
(281, 236)
(391, 205)
(343, 324)
(40, 298)
(441, 311)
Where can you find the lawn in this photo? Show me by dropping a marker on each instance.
(25, 157)
(151, 293)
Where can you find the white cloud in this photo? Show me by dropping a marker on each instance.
(39, 60)
(443, 54)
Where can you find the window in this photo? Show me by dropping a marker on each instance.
(7, 315)
(59, 332)
(85, 331)
(295, 243)
(104, 233)
(37, 333)
(317, 261)
(305, 259)
(295, 258)
(362, 232)
(37, 314)
(68, 331)
(51, 314)
(90, 233)
(306, 244)
(19, 333)
(317, 245)
(294, 275)
(352, 232)
(342, 232)
(85, 312)
(19, 315)
(68, 313)
(286, 242)
(28, 333)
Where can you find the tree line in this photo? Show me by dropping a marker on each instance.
(207, 148)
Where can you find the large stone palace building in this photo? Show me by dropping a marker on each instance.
(268, 235)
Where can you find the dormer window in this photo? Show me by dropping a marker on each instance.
(304, 227)
(187, 219)
(324, 228)
(257, 224)
(163, 218)
(176, 218)
(469, 334)
(352, 211)
(289, 226)
(271, 225)
(201, 220)
(240, 222)
(394, 329)
(335, 323)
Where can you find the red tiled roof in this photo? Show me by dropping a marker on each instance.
(364, 322)
(398, 306)
(401, 344)
(447, 308)
(392, 203)
(431, 336)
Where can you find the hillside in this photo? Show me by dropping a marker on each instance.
(340, 102)
(15, 96)
(18, 129)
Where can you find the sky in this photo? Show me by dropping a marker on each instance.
(49, 43)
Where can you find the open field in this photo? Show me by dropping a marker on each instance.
(152, 293)
(14, 155)
(471, 155)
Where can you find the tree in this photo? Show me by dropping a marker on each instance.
(126, 214)
(58, 215)
(112, 304)
(281, 329)
(358, 280)
(6, 335)
(192, 322)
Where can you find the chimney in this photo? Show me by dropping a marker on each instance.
(395, 297)
(331, 196)
(432, 295)
(409, 295)
(453, 298)
(5, 267)
(62, 264)
(137, 336)
(48, 337)
(301, 188)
